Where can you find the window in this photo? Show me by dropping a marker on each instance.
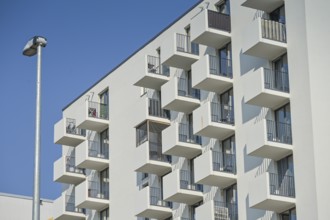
(141, 134)
(289, 215)
(278, 15)
(282, 183)
(285, 166)
(280, 76)
(283, 124)
(104, 183)
(228, 155)
(231, 201)
(225, 63)
(223, 7)
(227, 106)
(104, 101)
(104, 140)
(104, 214)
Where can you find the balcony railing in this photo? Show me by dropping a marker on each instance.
(277, 80)
(183, 44)
(222, 67)
(155, 153)
(156, 110)
(98, 110)
(186, 134)
(225, 210)
(95, 149)
(70, 205)
(155, 67)
(273, 30)
(72, 129)
(70, 165)
(224, 162)
(156, 198)
(279, 132)
(219, 21)
(184, 89)
(94, 190)
(281, 185)
(222, 113)
(186, 180)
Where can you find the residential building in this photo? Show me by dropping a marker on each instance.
(14, 207)
(221, 116)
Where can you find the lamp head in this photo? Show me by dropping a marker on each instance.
(31, 47)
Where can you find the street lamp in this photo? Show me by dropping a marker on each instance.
(32, 48)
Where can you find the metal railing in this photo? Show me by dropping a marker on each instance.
(225, 210)
(155, 109)
(224, 162)
(183, 44)
(98, 110)
(186, 134)
(273, 30)
(220, 67)
(95, 149)
(70, 164)
(281, 185)
(219, 21)
(156, 198)
(72, 129)
(155, 67)
(184, 89)
(70, 205)
(279, 132)
(94, 190)
(186, 181)
(222, 113)
(276, 80)
(155, 153)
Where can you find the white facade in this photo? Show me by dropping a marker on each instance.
(15, 207)
(221, 116)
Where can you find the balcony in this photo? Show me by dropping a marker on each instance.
(212, 74)
(262, 5)
(66, 133)
(265, 39)
(217, 210)
(151, 109)
(210, 28)
(93, 116)
(215, 168)
(273, 140)
(154, 75)
(65, 209)
(272, 192)
(65, 171)
(178, 140)
(92, 155)
(179, 187)
(90, 196)
(267, 88)
(214, 120)
(178, 51)
(149, 204)
(178, 96)
(151, 159)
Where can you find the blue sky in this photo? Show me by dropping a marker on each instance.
(86, 39)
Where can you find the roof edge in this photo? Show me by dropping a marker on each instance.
(135, 52)
(23, 197)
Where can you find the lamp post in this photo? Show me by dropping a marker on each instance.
(32, 48)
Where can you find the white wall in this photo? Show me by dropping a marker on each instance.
(15, 207)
